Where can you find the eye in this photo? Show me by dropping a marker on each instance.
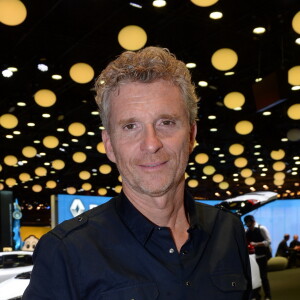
(129, 126)
(167, 122)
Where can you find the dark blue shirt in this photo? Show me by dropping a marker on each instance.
(114, 252)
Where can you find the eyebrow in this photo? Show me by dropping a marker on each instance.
(162, 116)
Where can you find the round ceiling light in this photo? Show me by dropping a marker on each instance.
(105, 169)
(51, 184)
(29, 151)
(218, 178)
(246, 173)
(204, 3)
(12, 12)
(224, 185)
(8, 121)
(10, 160)
(279, 166)
(44, 98)
(79, 157)
(279, 176)
(24, 177)
(86, 186)
(236, 149)
(132, 37)
(118, 189)
(82, 73)
(201, 158)
(224, 59)
(234, 100)
(71, 190)
(84, 175)
(102, 191)
(278, 182)
(50, 142)
(101, 148)
(293, 135)
(294, 75)
(40, 171)
(296, 22)
(209, 170)
(240, 162)
(37, 188)
(76, 129)
(193, 183)
(244, 127)
(10, 182)
(58, 164)
(277, 154)
(294, 111)
(250, 181)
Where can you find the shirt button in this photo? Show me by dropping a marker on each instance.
(184, 252)
(188, 283)
(171, 250)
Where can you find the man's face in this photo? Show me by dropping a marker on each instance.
(150, 137)
(250, 225)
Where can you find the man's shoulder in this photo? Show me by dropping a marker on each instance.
(103, 212)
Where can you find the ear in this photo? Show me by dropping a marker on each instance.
(107, 145)
(193, 133)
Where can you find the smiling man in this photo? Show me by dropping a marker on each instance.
(153, 241)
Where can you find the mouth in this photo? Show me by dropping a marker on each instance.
(153, 166)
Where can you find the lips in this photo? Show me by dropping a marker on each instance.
(152, 165)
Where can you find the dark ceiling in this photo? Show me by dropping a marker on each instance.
(62, 33)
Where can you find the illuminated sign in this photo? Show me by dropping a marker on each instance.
(70, 206)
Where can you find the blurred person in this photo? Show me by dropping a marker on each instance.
(283, 248)
(259, 237)
(295, 242)
(153, 241)
(294, 251)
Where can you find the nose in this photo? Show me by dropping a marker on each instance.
(151, 142)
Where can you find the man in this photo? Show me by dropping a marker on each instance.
(153, 241)
(283, 249)
(295, 242)
(294, 251)
(259, 237)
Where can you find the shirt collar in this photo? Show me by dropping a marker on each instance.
(140, 226)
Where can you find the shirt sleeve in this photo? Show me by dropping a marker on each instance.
(266, 235)
(53, 275)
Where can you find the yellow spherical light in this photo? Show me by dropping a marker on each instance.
(193, 183)
(294, 111)
(82, 73)
(37, 188)
(120, 178)
(51, 184)
(118, 189)
(24, 177)
(101, 148)
(224, 59)
(278, 166)
(10, 182)
(244, 127)
(296, 22)
(79, 157)
(76, 129)
(102, 191)
(224, 185)
(278, 182)
(71, 190)
(8, 121)
(218, 178)
(246, 173)
(132, 37)
(0, 168)
(84, 175)
(250, 180)
(10, 160)
(209, 170)
(236, 149)
(58, 164)
(240, 162)
(40, 171)
(105, 169)
(277, 154)
(204, 3)
(1, 186)
(234, 100)
(294, 75)
(45, 98)
(50, 142)
(29, 151)
(201, 158)
(86, 186)
(12, 12)
(279, 176)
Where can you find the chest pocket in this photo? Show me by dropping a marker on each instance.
(229, 282)
(147, 291)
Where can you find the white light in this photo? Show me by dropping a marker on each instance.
(297, 41)
(257, 146)
(21, 104)
(258, 79)
(213, 129)
(191, 65)
(30, 124)
(203, 83)
(46, 115)
(212, 117)
(295, 88)
(256, 153)
(42, 67)
(159, 3)
(267, 113)
(9, 136)
(284, 139)
(95, 113)
(259, 30)
(16, 132)
(229, 73)
(13, 69)
(216, 15)
(88, 147)
(91, 133)
(7, 73)
(60, 129)
(56, 77)
(135, 5)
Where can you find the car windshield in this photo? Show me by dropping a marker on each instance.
(15, 261)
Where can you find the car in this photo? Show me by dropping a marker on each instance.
(13, 263)
(13, 288)
(246, 203)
